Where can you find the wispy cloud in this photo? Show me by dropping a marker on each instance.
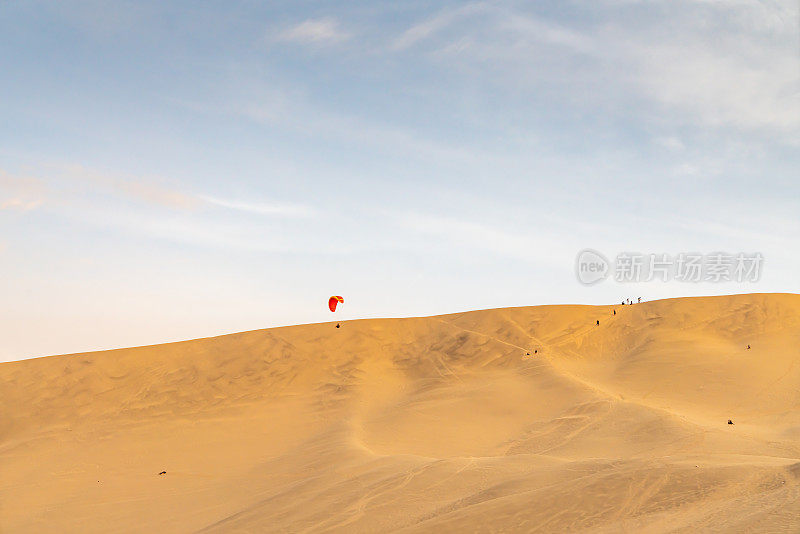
(72, 185)
(20, 204)
(150, 190)
(21, 193)
(261, 208)
(326, 30)
(707, 64)
(149, 206)
(491, 28)
(488, 238)
(433, 25)
(671, 143)
(300, 116)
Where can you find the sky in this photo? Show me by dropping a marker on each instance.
(173, 170)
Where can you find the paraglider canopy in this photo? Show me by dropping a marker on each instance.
(333, 301)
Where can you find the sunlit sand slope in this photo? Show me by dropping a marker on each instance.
(522, 419)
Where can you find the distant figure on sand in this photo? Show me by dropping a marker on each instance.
(598, 322)
(730, 422)
(615, 312)
(640, 299)
(748, 347)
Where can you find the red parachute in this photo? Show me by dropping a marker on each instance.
(333, 301)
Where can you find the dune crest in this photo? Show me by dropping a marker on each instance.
(521, 419)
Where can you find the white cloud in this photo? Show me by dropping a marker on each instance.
(315, 31)
(274, 209)
(720, 87)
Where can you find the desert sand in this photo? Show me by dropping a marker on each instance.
(429, 424)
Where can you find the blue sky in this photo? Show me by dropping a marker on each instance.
(184, 169)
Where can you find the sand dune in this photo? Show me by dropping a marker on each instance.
(426, 424)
